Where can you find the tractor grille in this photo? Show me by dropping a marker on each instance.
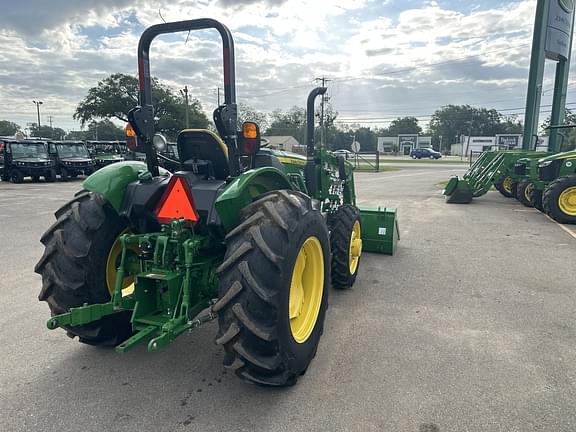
(550, 172)
(520, 169)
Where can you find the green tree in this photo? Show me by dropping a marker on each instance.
(8, 128)
(248, 113)
(105, 130)
(47, 132)
(451, 121)
(404, 125)
(78, 135)
(114, 96)
(290, 123)
(567, 136)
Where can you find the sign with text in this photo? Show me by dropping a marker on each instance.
(559, 29)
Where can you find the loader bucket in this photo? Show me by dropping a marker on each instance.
(380, 232)
(458, 191)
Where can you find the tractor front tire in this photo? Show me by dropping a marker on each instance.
(274, 284)
(504, 185)
(346, 245)
(524, 191)
(74, 266)
(559, 199)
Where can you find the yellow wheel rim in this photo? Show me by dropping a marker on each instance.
(306, 289)
(567, 201)
(507, 184)
(355, 247)
(112, 263)
(528, 191)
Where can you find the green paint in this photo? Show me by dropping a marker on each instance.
(112, 180)
(172, 285)
(245, 189)
(486, 171)
(380, 232)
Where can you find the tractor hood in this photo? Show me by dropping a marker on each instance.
(564, 155)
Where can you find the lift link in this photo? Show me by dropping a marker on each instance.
(163, 294)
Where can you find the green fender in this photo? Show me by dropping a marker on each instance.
(112, 180)
(245, 189)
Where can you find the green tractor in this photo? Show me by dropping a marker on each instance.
(239, 234)
(492, 168)
(556, 186)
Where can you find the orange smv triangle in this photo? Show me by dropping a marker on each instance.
(177, 203)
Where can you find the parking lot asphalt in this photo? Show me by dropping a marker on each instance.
(469, 327)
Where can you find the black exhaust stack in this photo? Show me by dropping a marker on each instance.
(310, 170)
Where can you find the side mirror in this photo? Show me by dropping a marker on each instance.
(249, 142)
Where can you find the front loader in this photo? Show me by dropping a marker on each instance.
(492, 168)
(239, 234)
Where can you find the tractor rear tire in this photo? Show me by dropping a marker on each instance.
(280, 246)
(73, 266)
(559, 199)
(345, 224)
(523, 192)
(504, 186)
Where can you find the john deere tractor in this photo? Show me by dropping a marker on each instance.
(240, 234)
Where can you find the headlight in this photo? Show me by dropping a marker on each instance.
(545, 164)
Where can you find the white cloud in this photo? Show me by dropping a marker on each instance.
(381, 64)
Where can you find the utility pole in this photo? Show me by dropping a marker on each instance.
(38, 103)
(218, 93)
(324, 99)
(184, 92)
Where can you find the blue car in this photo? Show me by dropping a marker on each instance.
(427, 153)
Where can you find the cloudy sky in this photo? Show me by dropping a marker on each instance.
(385, 58)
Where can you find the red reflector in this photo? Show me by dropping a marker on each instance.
(177, 203)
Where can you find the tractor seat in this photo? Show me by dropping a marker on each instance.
(195, 145)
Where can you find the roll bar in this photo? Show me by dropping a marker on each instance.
(142, 117)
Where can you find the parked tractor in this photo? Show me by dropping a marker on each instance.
(492, 168)
(27, 158)
(556, 184)
(71, 159)
(238, 234)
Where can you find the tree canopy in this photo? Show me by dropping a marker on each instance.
(117, 94)
(451, 121)
(8, 128)
(54, 133)
(404, 125)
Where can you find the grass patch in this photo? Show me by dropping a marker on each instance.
(441, 185)
(419, 161)
(370, 168)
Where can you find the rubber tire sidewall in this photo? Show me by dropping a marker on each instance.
(342, 219)
(302, 353)
(110, 330)
(551, 196)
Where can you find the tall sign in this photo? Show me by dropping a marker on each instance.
(552, 39)
(559, 29)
